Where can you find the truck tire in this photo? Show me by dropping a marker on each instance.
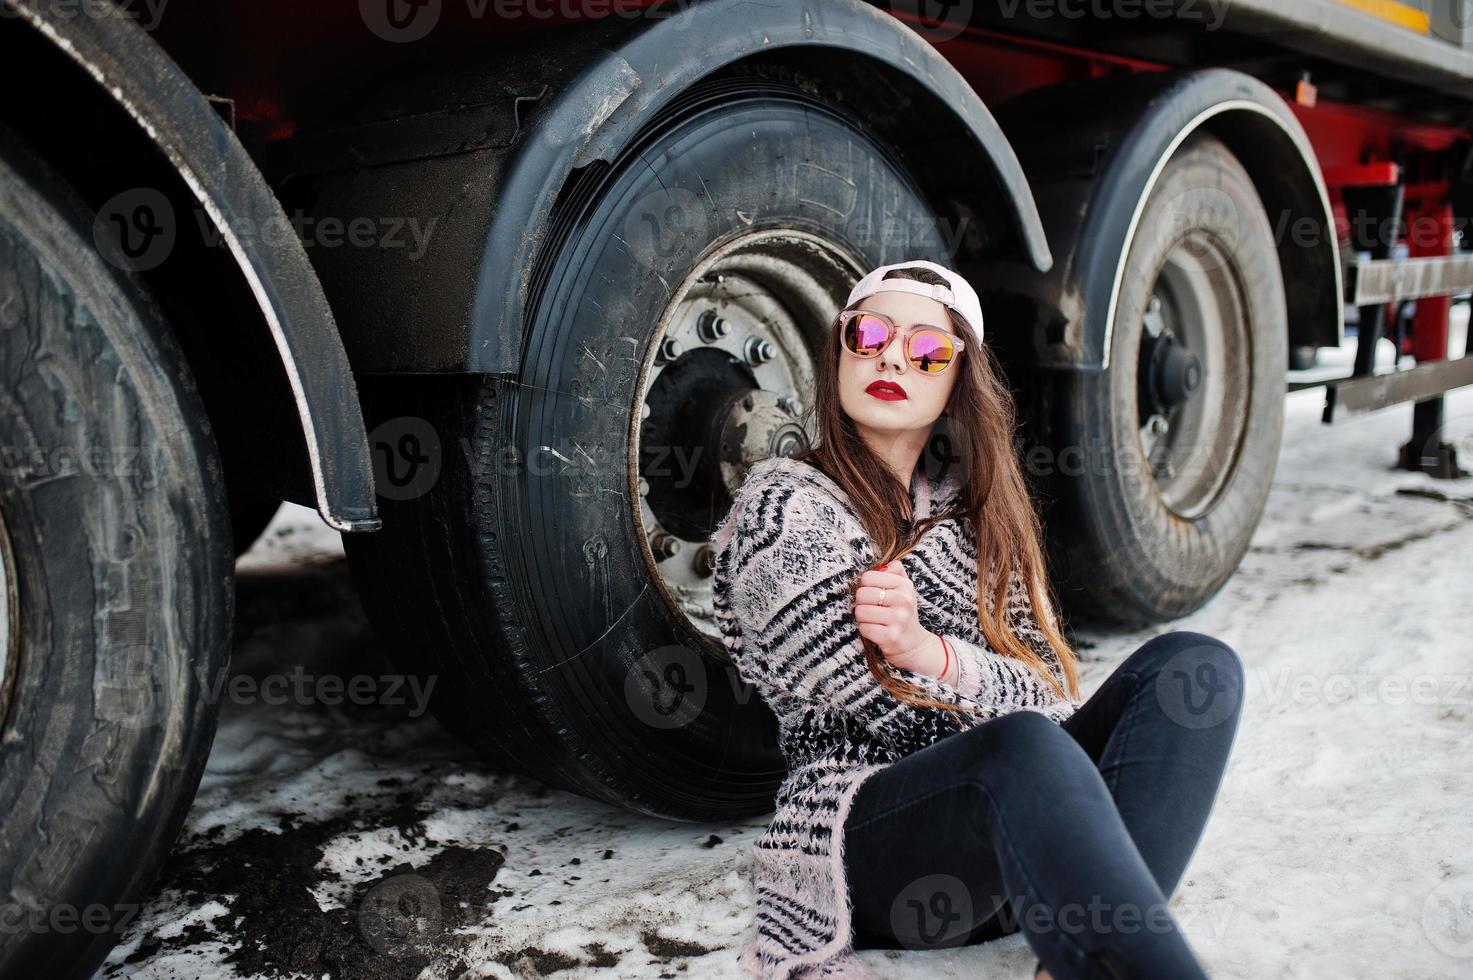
(1179, 437)
(115, 582)
(550, 567)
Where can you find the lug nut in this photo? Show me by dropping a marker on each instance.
(758, 350)
(712, 326)
(664, 545)
(706, 561)
(788, 444)
(669, 351)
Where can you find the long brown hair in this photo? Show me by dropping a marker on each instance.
(994, 499)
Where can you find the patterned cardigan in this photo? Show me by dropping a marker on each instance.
(787, 554)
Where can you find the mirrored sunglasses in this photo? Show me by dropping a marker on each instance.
(928, 349)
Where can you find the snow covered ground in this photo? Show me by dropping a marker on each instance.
(1341, 845)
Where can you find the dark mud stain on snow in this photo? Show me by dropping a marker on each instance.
(1461, 501)
(1371, 552)
(402, 918)
(666, 949)
(391, 926)
(1382, 548)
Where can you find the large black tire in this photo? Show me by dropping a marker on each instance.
(524, 574)
(118, 588)
(1134, 543)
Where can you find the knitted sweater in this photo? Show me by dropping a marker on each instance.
(787, 555)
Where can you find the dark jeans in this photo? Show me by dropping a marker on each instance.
(1077, 832)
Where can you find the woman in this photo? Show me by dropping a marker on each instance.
(946, 783)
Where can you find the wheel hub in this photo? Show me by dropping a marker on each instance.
(1170, 374)
(756, 425)
(729, 380)
(1193, 375)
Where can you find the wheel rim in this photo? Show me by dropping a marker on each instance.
(1193, 375)
(729, 379)
(9, 620)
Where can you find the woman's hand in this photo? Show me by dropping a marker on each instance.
(895, 626)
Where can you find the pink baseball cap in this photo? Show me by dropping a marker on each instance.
(960, 296)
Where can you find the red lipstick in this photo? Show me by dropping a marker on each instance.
(888, 390)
